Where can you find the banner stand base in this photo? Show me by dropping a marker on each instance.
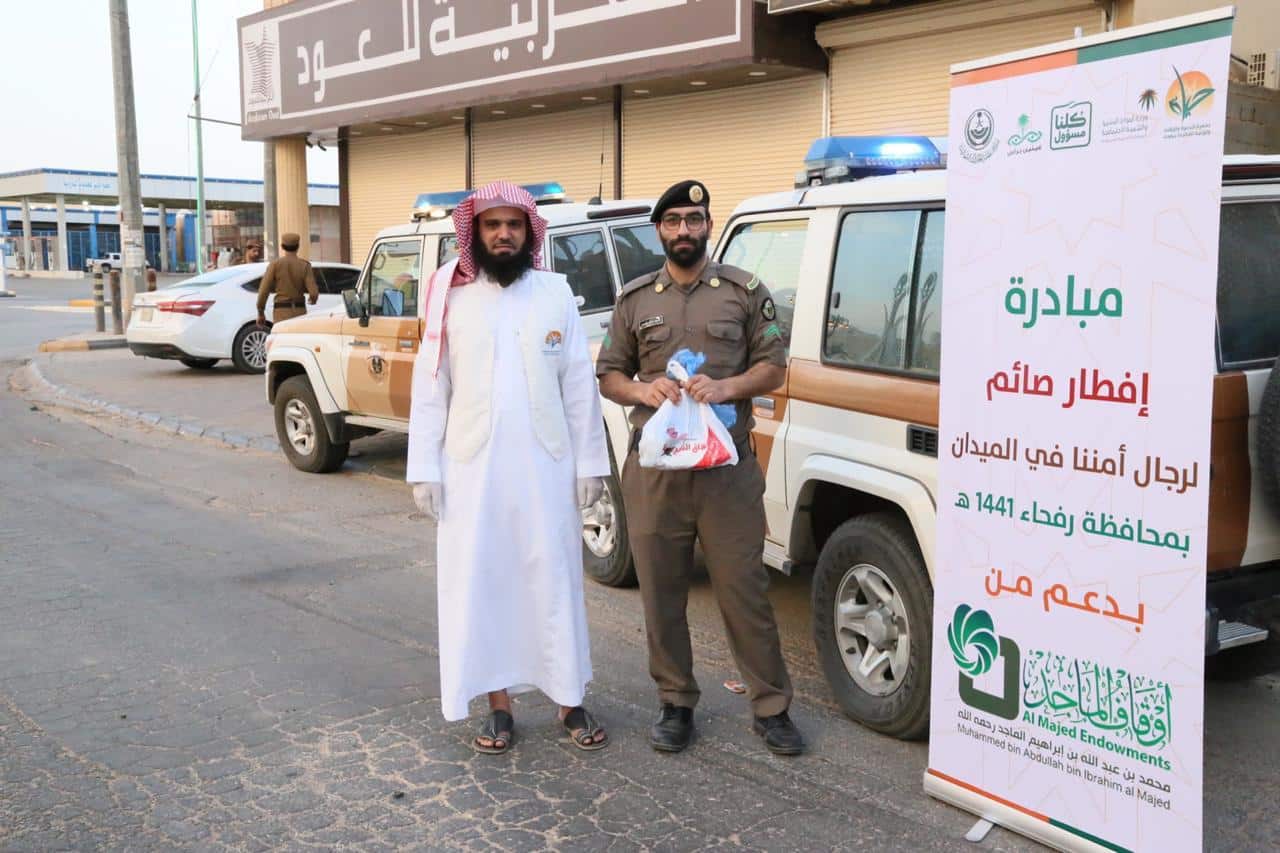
(1007, 816)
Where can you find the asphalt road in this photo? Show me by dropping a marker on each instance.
(206, 649)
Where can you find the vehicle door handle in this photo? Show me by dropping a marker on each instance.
(765, 403)
(357, 343)
(604, 324)
(406, 344)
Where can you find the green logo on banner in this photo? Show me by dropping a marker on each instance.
(975, 648)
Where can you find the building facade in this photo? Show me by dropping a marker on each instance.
(621, 100)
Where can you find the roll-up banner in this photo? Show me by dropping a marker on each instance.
(1083, 189)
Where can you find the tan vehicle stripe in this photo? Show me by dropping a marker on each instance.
(916, 401)
(1230, 478)
(767, 426)
(879, 394)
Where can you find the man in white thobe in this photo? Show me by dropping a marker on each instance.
(506, 445)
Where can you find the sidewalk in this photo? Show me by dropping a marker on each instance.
(220, 405)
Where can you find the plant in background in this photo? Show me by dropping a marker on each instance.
(1183, 105)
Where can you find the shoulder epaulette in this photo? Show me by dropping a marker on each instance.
(738, 276)
(639, 283)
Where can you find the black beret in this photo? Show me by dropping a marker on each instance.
(683, 194)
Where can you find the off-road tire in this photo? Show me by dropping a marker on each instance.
(1267, 440)
(886, 542)
(618, 569)
(325, 455)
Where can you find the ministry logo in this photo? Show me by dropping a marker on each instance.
(979, 136)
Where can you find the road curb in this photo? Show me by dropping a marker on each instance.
(185, 427)
(86, 303)
(83, 344)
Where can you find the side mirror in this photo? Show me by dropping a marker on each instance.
(355, 307)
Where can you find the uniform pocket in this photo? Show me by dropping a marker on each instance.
(653, 341)
(725, 350)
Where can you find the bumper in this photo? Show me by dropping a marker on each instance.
(158, 350)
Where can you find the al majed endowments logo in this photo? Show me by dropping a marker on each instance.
(979, 136)
(976, 648)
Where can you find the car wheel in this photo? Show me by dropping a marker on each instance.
(199, 363)
(301, 431)
(606, 551)
(872, 624)
(249, 349)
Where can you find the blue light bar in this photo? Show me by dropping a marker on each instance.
(440, 205)
(842, 158)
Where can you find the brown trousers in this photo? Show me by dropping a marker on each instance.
(286, 313)
(724, 509)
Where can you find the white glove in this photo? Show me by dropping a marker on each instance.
(430, 498)
(589, 491)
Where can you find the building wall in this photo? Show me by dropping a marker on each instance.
(563, 146)
(388, 173)
(890, 71)
(740, 142)
(1257, 26)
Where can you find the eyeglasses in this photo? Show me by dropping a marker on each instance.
(695, 221)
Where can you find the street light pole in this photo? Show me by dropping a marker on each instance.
(132, 242)
(195, 65)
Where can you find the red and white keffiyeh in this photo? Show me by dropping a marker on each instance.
(462, 270)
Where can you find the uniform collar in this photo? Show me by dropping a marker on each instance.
(708, 272)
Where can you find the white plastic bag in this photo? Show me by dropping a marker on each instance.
(685, 435)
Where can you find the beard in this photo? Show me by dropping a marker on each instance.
(685, 252)
(504, 269)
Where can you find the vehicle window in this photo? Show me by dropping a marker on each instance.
(393, 278)
(585, 261)
(448, 249)
(772, 251)
(1248, 275)
(871, 289)
(926, 310)
(339, 279)
(639, 250)
(252, 286)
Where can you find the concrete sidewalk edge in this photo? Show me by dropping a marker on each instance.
(84, 344)
(183, 427)
(187, 428)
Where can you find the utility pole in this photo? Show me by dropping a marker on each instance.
(132, 243)
(195, 65)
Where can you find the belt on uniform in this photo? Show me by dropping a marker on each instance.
(287, 304)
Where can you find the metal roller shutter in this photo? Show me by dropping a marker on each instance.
(884, 80)
(562, 146)
(386, 174)
(740, 142)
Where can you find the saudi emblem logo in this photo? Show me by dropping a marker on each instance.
(979, 136)
(976, 647)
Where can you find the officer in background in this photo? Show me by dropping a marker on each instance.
(291, 279)
(727, 314)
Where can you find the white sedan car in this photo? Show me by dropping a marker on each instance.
(213, 316)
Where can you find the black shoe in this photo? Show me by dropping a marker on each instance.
(780, 734)
(674, 729)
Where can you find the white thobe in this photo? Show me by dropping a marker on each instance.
(509, 423)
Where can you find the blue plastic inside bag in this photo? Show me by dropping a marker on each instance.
(691, 361)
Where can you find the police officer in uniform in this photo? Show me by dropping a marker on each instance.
(726, 314)
(291, 279)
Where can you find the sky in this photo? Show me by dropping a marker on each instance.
(57, 92)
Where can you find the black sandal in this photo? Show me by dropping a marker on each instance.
(498, 726)
(583, 730)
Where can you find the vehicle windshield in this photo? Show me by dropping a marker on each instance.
(211, 277)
